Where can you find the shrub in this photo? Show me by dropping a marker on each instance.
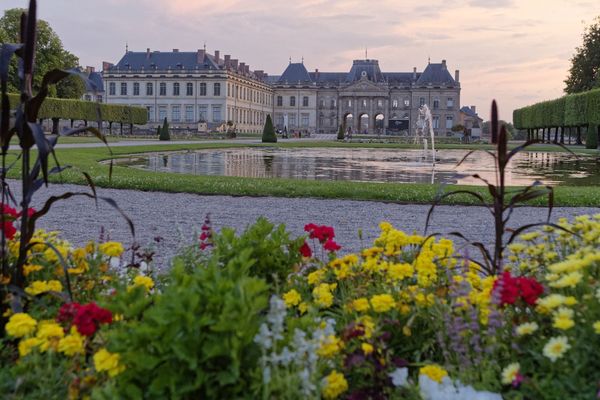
(196, 339)
(340, 133)
(591, 141)
(269, 135)
(164, 131)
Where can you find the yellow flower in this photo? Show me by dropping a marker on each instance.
(556, 347)
(596, 327)
(406, 331)
(367, 324)
(26, 345)
(107, 361)
(50, 333)
(292, 298)
(302, 307)
(322, 295)
(30, 268)
(39, 287)
(330, 347)
(434, 372)
(382, 303)
(20, 324)
(527, 328)
(111, 249)
(361, 304)
(563, 319)
(509, 374)
(570, 280)
(366, 348)
(51, 256)
(315, 277)
(72, 344)
(144, 281)
(55, 286)
(334, 385)
(551, 302)
(401, 271)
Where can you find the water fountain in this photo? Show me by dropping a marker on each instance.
(424, 126)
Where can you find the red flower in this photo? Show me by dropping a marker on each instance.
(320, 232)
(30, 212)
(305, 250)
(67, 312)
(8, 210)
(9, 229)
(89, 317)
(514, 288)
(331, 245)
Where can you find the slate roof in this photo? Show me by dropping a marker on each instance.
(135, 60)
(404, 78)
(295, 73)
(369, 68)
(470, 113)
(333, 78)
(436, 74)
(97, 80)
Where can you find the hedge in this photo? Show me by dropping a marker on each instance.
(581, 109)
(87, 111)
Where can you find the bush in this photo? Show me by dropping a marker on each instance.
(164, 131)
(196, 339)
(591, 141)
(269, 135)
(340, 134)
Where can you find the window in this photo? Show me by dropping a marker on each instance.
(150, 113)
(88, 97)
(176, 89)
(162, 113)
(123, 88)
(321, 103)
(149, 89)
(189, 113)
(175, 114)
(202, 89)
(112, 89)
(217, 92)
(305, 101)
(379, 103)
(279, 119)
(406, 103)
(292, 118)
(436, 122)
(449, 122)
(136, 88)
(99, 98)
(304, 120)
(364, 103)
(436, 104)
(292, 101)
(203, 113)
(163, 89)
(280, 101)
(450, 102)
(422, 101)
(216, 111)
(349, 103)
(332, 103)
(394, 103)
(189, 89)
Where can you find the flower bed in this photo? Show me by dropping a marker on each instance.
(263, 315)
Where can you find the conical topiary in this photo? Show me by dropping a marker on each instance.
(164, 132)
(268, 135)
(158, 131)
(340, 135)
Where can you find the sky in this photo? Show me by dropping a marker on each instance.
(515, 51)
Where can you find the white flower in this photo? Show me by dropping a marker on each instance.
(399, 376)
(509, 374)
(447, 390)
(263, 337)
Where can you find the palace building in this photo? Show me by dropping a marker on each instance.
(191, 87)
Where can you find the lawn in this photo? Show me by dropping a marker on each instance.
(87, 159)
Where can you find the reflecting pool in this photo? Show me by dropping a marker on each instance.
(373, 165)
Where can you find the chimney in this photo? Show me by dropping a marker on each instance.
(148, 53)
(227, 61)
(175, 50)
(259, 73)
(248, 69)
(444, 64)
(414, 73)
(474, 109)
(234, 64)
(217, 55)
(457, 75)
(106, 65)
(89, 70)
(200, 56)
(242, 68)
(316, 74)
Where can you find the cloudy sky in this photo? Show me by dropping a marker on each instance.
(516, 51)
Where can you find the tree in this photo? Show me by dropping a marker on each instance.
(268, 135)
(340, 134)
(585, 64)
(164, 132)
(49, 54)
(487, 127)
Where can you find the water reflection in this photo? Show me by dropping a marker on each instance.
(373, 165)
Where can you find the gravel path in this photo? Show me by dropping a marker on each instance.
(175, 217)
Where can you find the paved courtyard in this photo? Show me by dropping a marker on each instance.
(175, 217)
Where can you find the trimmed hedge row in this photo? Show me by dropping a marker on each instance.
(581, 109)
(87, 111)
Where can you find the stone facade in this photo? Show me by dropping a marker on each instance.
(189, 87)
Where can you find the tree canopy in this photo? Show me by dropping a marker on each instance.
(50, 54)
(585, 64)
